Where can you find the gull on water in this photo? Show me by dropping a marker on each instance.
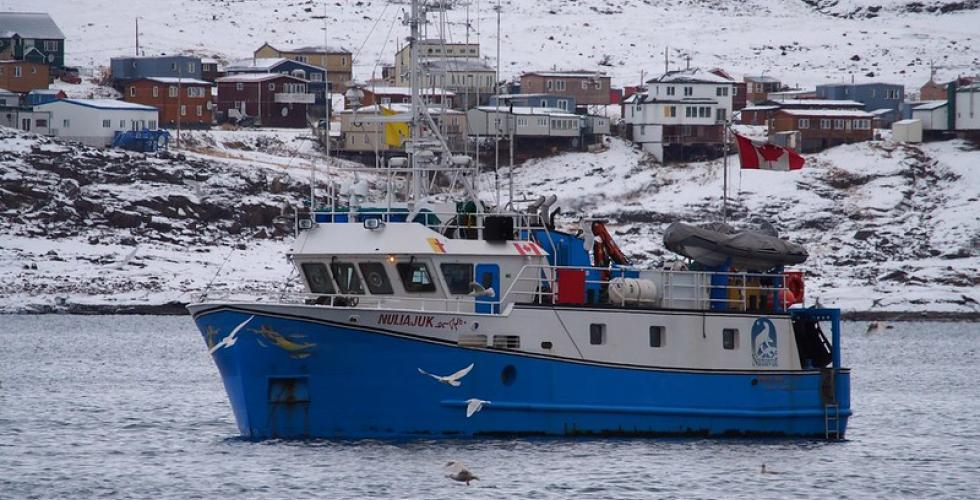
(232, 337)
(767, 471)
(453, 379)
(458, 472)
(474, 405)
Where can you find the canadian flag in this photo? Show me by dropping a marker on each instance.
(765, 156)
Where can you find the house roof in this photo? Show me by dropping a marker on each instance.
(829, 103)
(256, 77)
(521, 96)
(265, 64)
(580, 73)
(107, 104)
(173, 79)
(692, 75)
(457, 64)
(759, 108)
(882, 111)
(400, 107)
(850, 113)
(907, 122)
(29, 25)
(974, 87)
(760, 79)
(930, 106)
(386, 90)
(527, 110)
(309, 49)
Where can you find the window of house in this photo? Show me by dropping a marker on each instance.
(173, 66)
(721, 114)
(656, 336)
(376, 278)
(50, 45)
(670, 91)
(272, 86)
(316, 77)
(301, 59)
(318, 277)
(122, 123)
(704, 112)
(597, 333)
(825, 124)
(522, 122)
(729, 338)
(347, 279)
(458, 277)
(156, 91)
(563, 104)
(33, 70)
(690, 112)
(239, 86)
(172, 91)
(18, 71)
(643, 130)
(199, 110)
(415, 277)
(132, 91)
(721, 91)
(40, 122)
(106, 123)
(66, 123)
(803, 123)
(559, 84)
(839, 123)
(549, 84)
(670, 111)
(688, 91)
(153, 124)
(195, 91)
(190, 67)
(183, 110)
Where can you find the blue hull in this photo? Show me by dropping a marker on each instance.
(288, 377)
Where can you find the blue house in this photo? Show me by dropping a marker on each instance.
(563, 102)
(874, 96)
(128, 69)
(313, 74)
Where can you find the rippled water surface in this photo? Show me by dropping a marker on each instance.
(132, 407)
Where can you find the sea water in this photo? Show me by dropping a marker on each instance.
(133, 407)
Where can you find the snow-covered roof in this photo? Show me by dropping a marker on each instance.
(5, 91)
(457, 64)
(109, 104)
(173, 79)
(930, 106)
(265, 64)
(527, 110)
(317, 49)
(852, 113)
(760, 79)
(29, 25)
(45, 91)
(256, 77)
(907, 122)
(568, 74)
(209, 60)
(759, 108)
(692, 75)
(406, 91)
(521, 96)
(830, 103)
(882, 111)
(400, 108)
(973, 87)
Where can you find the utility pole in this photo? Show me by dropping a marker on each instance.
(180, 114)
(137, 36)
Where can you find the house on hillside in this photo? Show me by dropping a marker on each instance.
(23, 76)
(762, 113)
(183, 100)
(31, 36)
(93, 122)
(314, 75)
(385, 95)
(131, 68)
(265, 99)
(759, 87)
(43, 96)
(823, 128)
(565, 103)
(430, 49)
(211, 70)
(966, 111)
(587, 88)
(874, 96)
(338, 61)
(932, 91)
(798, 94)
(363, 134)
(682, 114)
(472, 80)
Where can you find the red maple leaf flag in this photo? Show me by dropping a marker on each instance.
(764, 156)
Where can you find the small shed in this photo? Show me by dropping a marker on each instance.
(907, 131)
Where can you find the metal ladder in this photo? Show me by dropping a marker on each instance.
(831, 421)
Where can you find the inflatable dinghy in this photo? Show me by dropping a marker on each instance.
(717, 244)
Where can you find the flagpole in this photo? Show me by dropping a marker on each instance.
(724, 183)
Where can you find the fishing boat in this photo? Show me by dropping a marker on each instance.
(428, 316)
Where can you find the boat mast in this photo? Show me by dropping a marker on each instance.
(413, 79)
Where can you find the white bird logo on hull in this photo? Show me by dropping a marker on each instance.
(232, 337)
(453, 379)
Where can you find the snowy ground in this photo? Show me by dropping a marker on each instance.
(802, 42)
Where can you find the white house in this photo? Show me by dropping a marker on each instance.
(934, 115)
(680, 108)
(967, 107)
(523, 121)
(94, 122)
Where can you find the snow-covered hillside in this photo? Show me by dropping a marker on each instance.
(802, 42)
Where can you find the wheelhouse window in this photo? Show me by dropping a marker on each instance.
(729, 338)
(347, 279)
(415, 277)
(376, 278)
(597, 333)
(458, 277)
(318, 278)
(656, 336)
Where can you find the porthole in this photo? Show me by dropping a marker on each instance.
(509, 375)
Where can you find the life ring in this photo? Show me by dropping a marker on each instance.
(794, 282)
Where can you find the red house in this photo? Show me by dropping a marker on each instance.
(266, 99)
